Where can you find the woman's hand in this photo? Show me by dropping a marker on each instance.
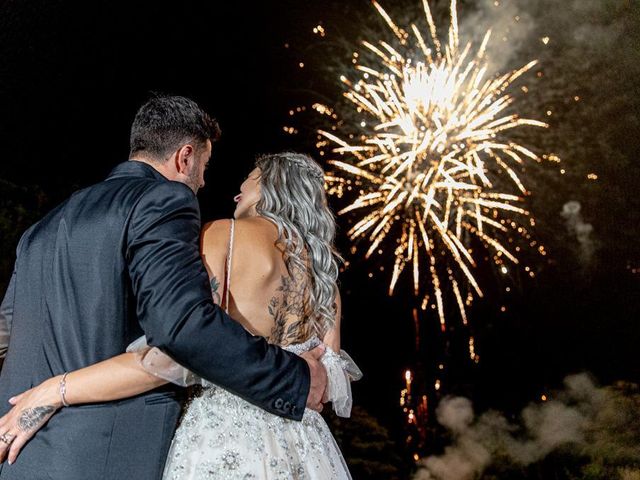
(31, 411)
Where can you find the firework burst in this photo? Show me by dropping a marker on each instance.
(431, 166)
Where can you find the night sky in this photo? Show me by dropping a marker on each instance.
(72, 75)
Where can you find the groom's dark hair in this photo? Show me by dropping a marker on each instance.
(165, 123)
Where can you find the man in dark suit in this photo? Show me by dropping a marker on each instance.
(115, 261)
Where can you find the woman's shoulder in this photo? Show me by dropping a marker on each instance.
(257, 224)
(215, 235)
(253, 229)
(258, 232)
(216, 228)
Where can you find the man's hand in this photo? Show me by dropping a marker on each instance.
(318, 378)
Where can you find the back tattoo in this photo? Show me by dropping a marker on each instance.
(290, 311)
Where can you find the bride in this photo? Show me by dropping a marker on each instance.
(274, 269)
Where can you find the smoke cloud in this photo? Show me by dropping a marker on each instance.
(581, 416)
(511, 28)
(581, 230)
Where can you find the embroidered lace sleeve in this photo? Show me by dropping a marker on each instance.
(158, 363)
(341, 371)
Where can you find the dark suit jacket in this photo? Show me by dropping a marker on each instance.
(115, 261)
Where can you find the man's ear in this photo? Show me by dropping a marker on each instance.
(184, 158)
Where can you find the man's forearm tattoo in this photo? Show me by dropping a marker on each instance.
(32, 418)
(215, 286)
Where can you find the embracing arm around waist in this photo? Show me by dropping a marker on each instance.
(114, 379)
(177, 313)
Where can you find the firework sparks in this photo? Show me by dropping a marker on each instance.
(428, 160)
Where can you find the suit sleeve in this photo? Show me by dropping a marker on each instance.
(177, 313)
(6, 308)
(6, 316)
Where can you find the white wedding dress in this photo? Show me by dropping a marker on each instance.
(222, 436)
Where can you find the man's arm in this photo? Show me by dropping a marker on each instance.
(177, 313)
(6, 317)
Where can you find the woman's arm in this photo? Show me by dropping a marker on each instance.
(119, 377)
(116, 378)
(341, 369)
(113, 379)
(332, 337)
(214, 245)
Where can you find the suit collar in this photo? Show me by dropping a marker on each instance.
(134, 168)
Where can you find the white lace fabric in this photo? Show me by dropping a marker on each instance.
(341, 371)
(222, 436)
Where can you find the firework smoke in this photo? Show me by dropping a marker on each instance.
(511, 28)
(582, 416)
(581, 230)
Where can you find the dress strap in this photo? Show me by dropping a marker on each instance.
(227, 278)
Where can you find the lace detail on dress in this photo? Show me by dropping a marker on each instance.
(300, 348)
(224, 437)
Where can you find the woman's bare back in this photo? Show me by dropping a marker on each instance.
(264, 298)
